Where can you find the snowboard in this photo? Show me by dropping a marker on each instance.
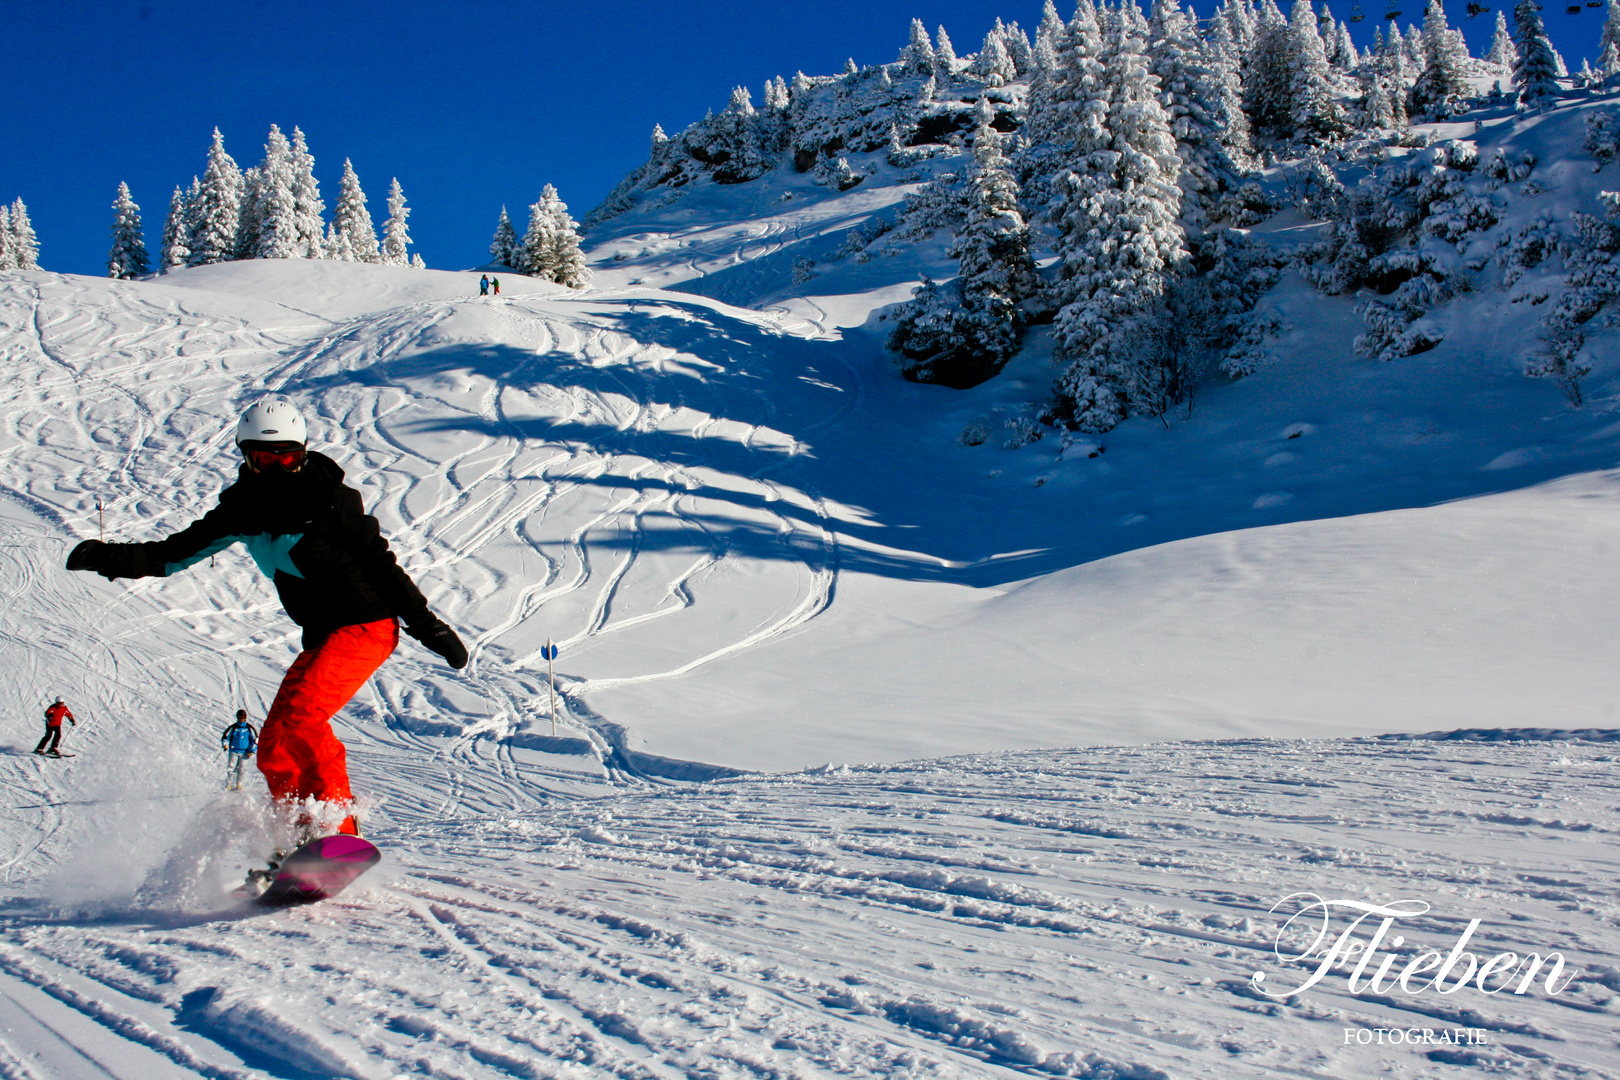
(319, 870)
(58, 755)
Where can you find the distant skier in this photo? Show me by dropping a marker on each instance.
(483, 285)
(55, 713)
(336, 577)
(496, 284)
(238, 742)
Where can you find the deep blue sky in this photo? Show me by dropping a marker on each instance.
(470, 105)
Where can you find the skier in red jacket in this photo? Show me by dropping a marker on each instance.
(54, 715)
(336, 577)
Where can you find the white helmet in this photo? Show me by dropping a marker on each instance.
(272, 420)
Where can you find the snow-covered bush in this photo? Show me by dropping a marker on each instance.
(1602, 135)
(1528, 247)
(1395, 327)
(1248, 351)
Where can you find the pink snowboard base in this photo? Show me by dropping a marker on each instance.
(320, 870)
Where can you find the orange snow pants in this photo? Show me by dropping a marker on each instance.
(298, 754)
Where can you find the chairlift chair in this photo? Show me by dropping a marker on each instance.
(1573, 9)
(1392, 12)
(1594, 3)
(1475, 8)
(1355, 13)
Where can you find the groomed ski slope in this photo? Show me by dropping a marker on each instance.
(758, 550)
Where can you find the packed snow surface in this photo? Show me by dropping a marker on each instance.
(811, 806)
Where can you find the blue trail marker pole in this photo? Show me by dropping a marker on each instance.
(550, 653)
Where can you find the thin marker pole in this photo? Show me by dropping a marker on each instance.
(551, 656)
(101, 520)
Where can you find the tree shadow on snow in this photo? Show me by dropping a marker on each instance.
(857, 429)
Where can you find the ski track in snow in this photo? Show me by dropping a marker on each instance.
(1081, 913)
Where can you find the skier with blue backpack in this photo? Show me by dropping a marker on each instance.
(238, 741)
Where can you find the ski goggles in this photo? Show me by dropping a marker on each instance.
(290, 460)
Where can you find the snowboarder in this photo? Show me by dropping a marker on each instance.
(238, 742)
(496, 284)
(483, 285)
(55, 713)
(336, 577)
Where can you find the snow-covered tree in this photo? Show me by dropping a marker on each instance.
(963, 335)
(503, 249)
(7, 262)
(275, 206)
(24, 245)
(1120, 241)
(249, 215)
(1268, 74)
(1193, 93)
(993, 64)
(216, 209)
(1611, 29)
(1502, 55)
(308, 209)
(128, 258)
(395, 235)
(175, 234)
(1444, 78)
(1535, 76)
(918, 55)
(551, 245)
(1315, 109)
(945, 61)
(353, 221)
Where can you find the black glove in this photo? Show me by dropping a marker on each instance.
(432, 632)
(109, 560)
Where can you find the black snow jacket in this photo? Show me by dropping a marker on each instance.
(310, 535)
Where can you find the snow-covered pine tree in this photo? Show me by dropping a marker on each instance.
(918, 55)
(1243, 22)
(249, 216)
(1193, 93)
(994, 65)
(564, 259)
(1268, 70)
(1120, 240)
(945, 61)
(1609, 63)
(1314, 106)
(7, 260)
(1018, 47)
(308, 208)
(1610, 35)
(277, 210)
(537, 238)
(1412, 43)
(1067, 107)
(353, 220)
(395, 235)
(962, 336)
(1535, 76)
(503, 249)
(1444, 78)
(175, 234)
(1502, 55)
(1345, 57)
(24, 244)
(216, 209)
(128, 258)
